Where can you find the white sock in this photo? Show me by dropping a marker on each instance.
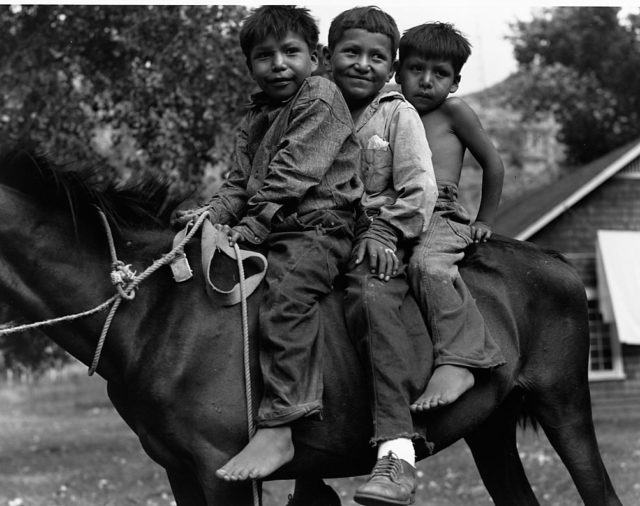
(401, 447)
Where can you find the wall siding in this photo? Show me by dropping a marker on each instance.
(619, 399)
(613, 206)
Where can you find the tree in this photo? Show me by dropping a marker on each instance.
(133, 88)
(138, 87)
(581, 64)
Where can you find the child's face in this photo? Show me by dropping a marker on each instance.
(280, 66)
(361, 64)
(426, 82)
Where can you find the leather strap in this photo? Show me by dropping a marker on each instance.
(213, 241)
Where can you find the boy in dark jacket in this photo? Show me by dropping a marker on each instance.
(292, 190)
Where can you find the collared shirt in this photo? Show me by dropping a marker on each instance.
(400, 185)
(292, 157)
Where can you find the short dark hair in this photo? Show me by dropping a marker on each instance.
(276, 21)
(436, 40)
(371, 19)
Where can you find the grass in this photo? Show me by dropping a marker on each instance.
(62, 444)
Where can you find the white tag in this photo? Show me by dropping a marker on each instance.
(181, 269)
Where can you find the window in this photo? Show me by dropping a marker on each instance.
(605, 358)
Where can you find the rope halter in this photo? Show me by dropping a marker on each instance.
(123, 277)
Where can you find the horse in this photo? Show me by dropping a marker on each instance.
(173, 358)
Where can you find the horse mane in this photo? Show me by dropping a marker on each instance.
(143, 201)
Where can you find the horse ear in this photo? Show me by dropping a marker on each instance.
(24, 169)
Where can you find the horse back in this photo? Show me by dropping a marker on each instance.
(534, 304)
(512, 283)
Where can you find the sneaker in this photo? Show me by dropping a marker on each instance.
(392, 481)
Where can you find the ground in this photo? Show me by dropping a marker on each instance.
(62, 444)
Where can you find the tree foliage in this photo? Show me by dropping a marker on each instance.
(141, 87)
(581, 64)
(133, 88)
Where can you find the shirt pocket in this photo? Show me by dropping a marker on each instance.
(377, 169)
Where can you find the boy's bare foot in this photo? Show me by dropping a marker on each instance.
(447, 384)
(269, 449)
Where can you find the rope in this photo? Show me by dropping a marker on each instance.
(126, 275)
(52, 321)
(125, 281)
(164, 260)
(247, 363)
(103, 335)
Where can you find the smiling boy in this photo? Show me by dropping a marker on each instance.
(399, 195)
(292, 190)
(431, 57)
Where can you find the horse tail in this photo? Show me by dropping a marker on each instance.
(526, 417)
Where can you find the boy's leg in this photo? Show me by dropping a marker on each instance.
(461, 340)
(372, 310)
(302, 266)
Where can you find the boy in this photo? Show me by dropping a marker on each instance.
(400, 193)
(292, 189)
(431, 57)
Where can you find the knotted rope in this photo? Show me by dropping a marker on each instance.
(125, 280)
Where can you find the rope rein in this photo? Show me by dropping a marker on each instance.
(126, 282)
(124, 278)
(246, 363)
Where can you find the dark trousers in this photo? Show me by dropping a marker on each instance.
(372, 310)
(305, 255)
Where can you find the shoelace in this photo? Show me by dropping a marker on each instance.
(388, 465)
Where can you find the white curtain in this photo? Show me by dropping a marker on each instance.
(618, 269)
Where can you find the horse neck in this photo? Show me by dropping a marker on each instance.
(48, 271)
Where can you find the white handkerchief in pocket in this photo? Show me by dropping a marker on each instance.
(377, 143)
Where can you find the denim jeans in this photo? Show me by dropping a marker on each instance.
(457, 328)
(305, 254)
(372, 310)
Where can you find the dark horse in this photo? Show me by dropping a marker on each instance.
(173, 360)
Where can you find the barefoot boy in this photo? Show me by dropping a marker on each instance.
(431, 57)
(292, 189)
(400, 192)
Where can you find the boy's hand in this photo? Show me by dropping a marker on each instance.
(235, 237)
(181, 217)
(232, 235)
(382, 260)
(480, 231)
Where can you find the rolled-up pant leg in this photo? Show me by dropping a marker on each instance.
(302, 267)
(459, 334)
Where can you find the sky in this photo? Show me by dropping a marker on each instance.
(486, 24)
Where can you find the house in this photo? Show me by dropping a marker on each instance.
(592, 216)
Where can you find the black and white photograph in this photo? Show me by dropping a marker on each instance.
(328, 254)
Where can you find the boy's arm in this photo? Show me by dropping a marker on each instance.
(413, 177)
(307, 150)
(469, 130)
(229, 203)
